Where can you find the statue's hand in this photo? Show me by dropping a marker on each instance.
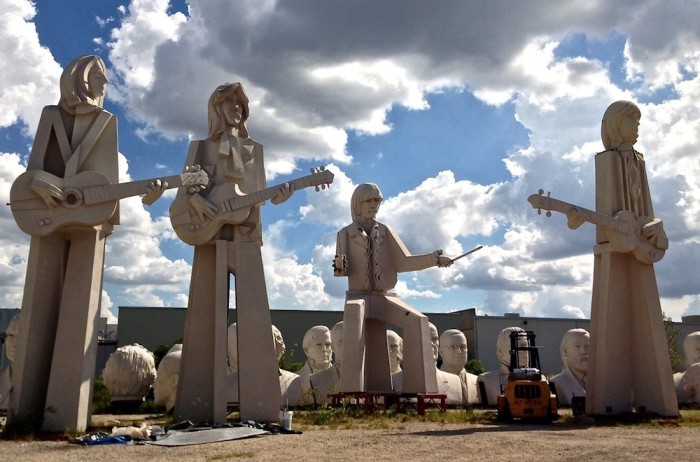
(443, 261)
(48, 192)
(654, 233)
(283, 193)
(155, 190)
(340, 265)
(203, 207)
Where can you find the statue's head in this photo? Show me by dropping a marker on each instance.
(280, 347)
(453, 349)
(395, 346)
(11, 338)
(83, 84)
(318, 347)
(434, 341)
(503, 346)
(228, 108)
(691, 348)
(365, 201)
(574, 350)
(337, 341)
(165, 384)
(620, 124)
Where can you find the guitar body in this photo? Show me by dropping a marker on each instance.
(195, 231)
(632, 240)
(232, 206)
(624, 230)
(34, 218)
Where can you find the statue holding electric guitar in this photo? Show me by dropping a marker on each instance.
(223, 224)
(628, 350)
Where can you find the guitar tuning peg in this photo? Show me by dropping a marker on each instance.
(549, 194)
(322, 168)
(312, 170)
(323, 186)
(540, 191)
(548, 214)
(539, 211)
(317, 189)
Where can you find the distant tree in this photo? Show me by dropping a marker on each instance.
(672, 338)
(475, 367)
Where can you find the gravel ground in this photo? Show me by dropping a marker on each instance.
(402, 441)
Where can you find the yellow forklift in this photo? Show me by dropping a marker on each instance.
(526, 394)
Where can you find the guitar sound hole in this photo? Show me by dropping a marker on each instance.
(72, 199)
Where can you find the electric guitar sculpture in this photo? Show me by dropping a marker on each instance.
(232, 206)
(627, 235)
(88, 198)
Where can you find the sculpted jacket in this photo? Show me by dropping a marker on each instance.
(374, 260)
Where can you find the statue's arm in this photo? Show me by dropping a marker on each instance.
(404, 261)
(340, 262)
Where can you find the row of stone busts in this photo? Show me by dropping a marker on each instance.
(569, 383)
(130, 371)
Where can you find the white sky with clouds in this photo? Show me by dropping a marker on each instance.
(458, 110)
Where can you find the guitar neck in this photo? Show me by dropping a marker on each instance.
(114, 192)
(590, 216)
(258, 197)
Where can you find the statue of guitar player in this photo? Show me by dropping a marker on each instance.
(56, 351)
(223, 223)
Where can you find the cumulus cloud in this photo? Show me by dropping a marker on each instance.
(318, 71)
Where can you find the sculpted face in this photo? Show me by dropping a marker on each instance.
(370, 207)
(232, 111)
(575, 352)
(97, 81)
(320, 350)
(395, 345)
(629, 129)
(280, 347)
(434, 341)
(503, 347)
(453, 349)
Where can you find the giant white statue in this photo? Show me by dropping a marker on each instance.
(318, 349)
(11, 352)
(571, 381)
(326, 381)
(453, 350)
(370, 254)
(688, 382)
(448, 384)
(223, 224)
(165, 384)
(395, 346)
(67, 200)
(290, 383)
(129, 373)
(629, 352)
(491, 383)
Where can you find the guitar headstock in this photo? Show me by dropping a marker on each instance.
(195, 177)
(321, 178)
(539, 201)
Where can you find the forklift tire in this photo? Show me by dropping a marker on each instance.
(506, 415)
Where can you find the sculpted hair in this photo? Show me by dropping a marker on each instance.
(610, 126)
(362, 193)
(312, 334)
(217, 122)
(75, 89)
